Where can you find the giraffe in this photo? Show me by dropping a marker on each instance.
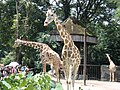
(112, 68)
(70, 53)
(47, 55)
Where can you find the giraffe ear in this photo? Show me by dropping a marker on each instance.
(50, 7)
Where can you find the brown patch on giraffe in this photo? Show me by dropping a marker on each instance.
(59, 27)
(33, 43)
(70, 44)
(49, 55)
(41, 47)
(66, 40)
(28, 44)
(25, 43)
(36, 46)
(56, 22)
(62, 34)
(44, 48)
(65, 54)
(64, 26)
(69, 53)
(65, 46)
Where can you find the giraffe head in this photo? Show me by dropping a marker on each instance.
(50, 16)
(17, 43)
(107, 54)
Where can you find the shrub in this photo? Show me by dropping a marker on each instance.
(36, 82)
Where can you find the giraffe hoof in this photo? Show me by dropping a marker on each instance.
(68, 82)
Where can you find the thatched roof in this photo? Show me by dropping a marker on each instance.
(71, 25)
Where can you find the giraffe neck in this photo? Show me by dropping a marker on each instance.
(109, 58)
(63, 33)
(35, 45)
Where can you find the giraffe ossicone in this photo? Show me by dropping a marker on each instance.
(47, 55)
(70, 53)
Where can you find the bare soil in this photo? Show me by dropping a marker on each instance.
(93, 85)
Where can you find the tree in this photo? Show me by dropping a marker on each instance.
(117, 13)
(95, 15)
(6, 33)
(21, 19)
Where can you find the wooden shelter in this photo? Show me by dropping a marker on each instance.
(76, 31)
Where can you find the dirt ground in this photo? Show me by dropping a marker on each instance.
(93, 85)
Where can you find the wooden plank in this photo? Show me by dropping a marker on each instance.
(76, 38)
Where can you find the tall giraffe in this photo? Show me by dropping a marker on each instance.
(70, 53)
(112, 69)
(47, 55)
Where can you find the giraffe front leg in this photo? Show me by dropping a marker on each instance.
(66, 72)
(57, 74)
(44, 68)
(70, 76)
(75, 69)
(110, 77)
(52, 70)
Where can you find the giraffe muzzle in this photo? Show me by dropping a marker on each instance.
(45, 23)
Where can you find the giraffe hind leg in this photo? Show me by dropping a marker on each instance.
(113, 76)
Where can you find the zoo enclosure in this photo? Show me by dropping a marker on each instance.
(93, 72)
(98, 72)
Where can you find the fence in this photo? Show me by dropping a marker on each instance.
(105, 74)
(93, 72)
(97, 72)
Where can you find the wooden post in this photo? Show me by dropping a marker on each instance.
(85, 58)
(17, 17)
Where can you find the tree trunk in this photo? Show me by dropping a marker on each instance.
(19, 55)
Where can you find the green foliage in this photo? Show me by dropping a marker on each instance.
(6, 34)
(117, 11)
(36, 82)
(45, 38)
(108, 39)
(9, 57)
(55, 86)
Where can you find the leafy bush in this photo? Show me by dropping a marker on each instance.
(36, 82)
(9, 57)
